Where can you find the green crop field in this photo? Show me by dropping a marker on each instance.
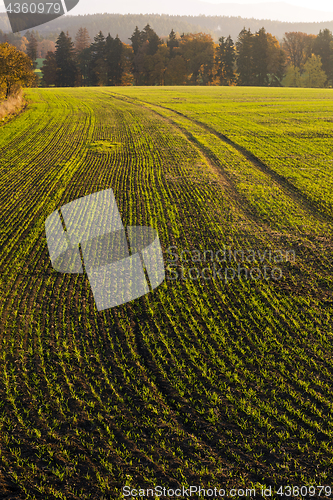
(223, 375)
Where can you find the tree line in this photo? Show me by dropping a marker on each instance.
(255, 59)
(23, 43)
(192, 59)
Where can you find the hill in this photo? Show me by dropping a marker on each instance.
(123, 25)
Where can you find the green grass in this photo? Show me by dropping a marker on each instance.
(39, 62)
(203, 382)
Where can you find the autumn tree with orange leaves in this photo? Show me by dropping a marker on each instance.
(16, 70)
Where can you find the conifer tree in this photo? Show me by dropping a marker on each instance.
(32, 48)
(82, 40)
(136, 40)
(244, 57)
(226, 57)
(66, 66)
(113, 51)
(259, 59)
(49, 69)
(98, 70)
(172, 43)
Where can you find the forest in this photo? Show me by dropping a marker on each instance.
(216, 26)
(254, 59)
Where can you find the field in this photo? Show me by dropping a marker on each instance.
(218, 380)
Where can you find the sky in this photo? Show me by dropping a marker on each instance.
(287, 10)
(324, 5)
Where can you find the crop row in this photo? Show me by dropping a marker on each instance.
(203, 381)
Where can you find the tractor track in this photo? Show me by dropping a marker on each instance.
(292, 191)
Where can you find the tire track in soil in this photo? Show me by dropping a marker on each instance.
(223, 179)
(180, 408)
(228, 186)
(288, 188)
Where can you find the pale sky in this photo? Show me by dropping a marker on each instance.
(287, 10)
(324, 5)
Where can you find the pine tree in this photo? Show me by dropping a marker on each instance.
(98, 70)
(136, 40)
(82, 40)
(226, 61)
(113, 52)
(118, 56)
(83, 61)
(145, 44)
(32, 49)
(66, 66)
(244, 57)
(49, 69)
(260, 59)
(172, 43)
(148, 34)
